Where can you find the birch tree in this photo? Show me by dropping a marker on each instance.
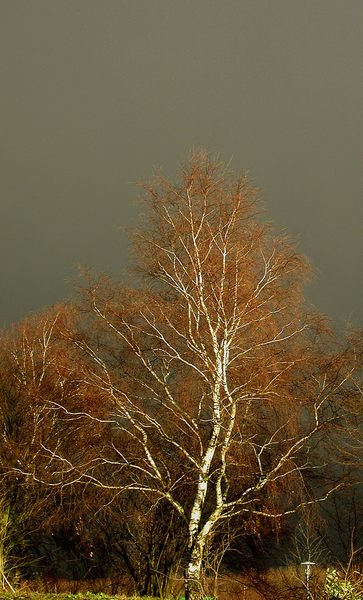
(214, 369)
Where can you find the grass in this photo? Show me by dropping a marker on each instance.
(286, 583)
(30, 595)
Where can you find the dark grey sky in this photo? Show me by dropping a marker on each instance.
(95, 94)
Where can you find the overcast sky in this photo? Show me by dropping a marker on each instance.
(96, 94)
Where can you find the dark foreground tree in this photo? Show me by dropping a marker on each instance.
(219, 384)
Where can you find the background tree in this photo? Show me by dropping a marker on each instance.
(36, 369)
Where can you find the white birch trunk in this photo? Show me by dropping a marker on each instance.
(194, 569)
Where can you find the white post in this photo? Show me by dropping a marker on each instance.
(308, 568)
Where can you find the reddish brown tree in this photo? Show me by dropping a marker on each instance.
(217, 376)
(37, 369)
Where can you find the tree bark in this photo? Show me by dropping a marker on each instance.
(193, 573)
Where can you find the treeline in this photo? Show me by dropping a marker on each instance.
(201, 420)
